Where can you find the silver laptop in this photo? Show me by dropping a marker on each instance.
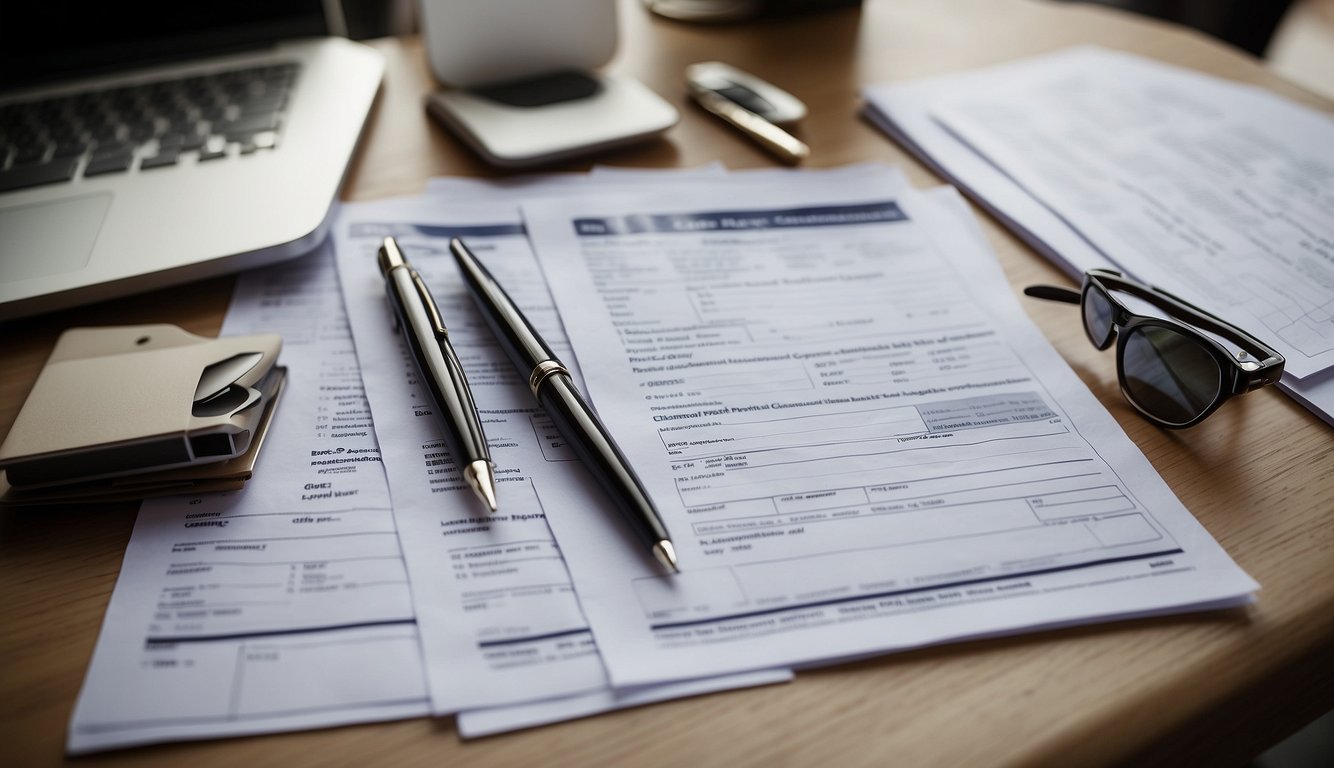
(125, 167)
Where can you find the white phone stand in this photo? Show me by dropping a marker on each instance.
(520, 89)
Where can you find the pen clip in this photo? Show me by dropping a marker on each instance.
(429, 303)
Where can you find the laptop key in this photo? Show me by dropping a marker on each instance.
(214, 148)
(141, 131)
(165, 156)
(31, 154)
(245, 126)
(71, 129)
(109, 162)
(24, 137)
(113, 147)
(36, 175)
(262, 105)
(107, 132)
(72, 148)
(181, 141)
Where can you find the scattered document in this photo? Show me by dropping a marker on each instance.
(500, 622)
(282, 606)
(1224, 195)
(856, 438)
(286, 606)
(1217, 191)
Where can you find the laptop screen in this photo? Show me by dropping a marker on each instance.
(43, 40)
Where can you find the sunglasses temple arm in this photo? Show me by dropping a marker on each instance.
(1052, 293)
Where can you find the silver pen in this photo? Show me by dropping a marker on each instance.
(439, 367)
(778, 141)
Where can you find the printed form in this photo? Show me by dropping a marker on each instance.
(857, 440)
(281, 606)
(500, 622)
(903, 110)
(1222, 194)
(286, 605)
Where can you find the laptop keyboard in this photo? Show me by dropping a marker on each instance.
(140, 127)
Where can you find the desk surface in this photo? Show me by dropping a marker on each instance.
(1209, 688)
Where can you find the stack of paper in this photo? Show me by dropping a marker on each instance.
(285, 605)
(1219, 192)
(857, 439)
(501, 623)
(858, 442)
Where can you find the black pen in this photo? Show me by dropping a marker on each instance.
(550, 383)
(439, 366)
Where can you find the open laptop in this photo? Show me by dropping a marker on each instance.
(145, 144)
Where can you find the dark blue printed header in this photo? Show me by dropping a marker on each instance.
(737, 221)
(375, 229)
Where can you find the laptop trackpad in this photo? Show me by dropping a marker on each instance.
(50, 238)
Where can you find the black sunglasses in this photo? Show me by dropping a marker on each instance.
(1169, 371)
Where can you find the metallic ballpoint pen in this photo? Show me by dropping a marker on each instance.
(440, 370)
(778, 141)
(550, 383)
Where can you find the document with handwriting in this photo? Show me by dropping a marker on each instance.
(858, 441)
(281, 606)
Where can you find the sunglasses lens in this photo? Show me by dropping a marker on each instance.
(1097, 316)
(1168, 374)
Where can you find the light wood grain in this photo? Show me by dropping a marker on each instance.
(1201, 689)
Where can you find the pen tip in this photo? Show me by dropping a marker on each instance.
(483, 482)
(666, 555)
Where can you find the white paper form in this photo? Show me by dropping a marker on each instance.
(500, 622)
(903, 111)
(281, 606)
(1223, 193)
(856, 439)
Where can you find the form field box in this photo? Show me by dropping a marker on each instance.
(1123, 529)
(1102, 500)
(795, 431)
(824, 499)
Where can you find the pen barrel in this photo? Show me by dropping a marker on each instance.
(521, 342)
(440, 371)
(588, 439)
(552, 387)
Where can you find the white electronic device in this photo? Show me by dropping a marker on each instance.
(520, 86)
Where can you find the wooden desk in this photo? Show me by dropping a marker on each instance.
(1212, 688)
